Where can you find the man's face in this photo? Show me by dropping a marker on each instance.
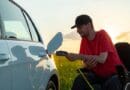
(83, 30)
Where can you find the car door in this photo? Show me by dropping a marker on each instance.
(17, 37)
(29, 60)
(28, 67)
(5, 67)
(5, 57)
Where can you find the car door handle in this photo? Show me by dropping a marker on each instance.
(4, 57)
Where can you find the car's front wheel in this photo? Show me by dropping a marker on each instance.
(51, 85)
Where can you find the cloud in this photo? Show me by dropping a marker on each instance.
(71, 42)
(123, 37)
(72, 35)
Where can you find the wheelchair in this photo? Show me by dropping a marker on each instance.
(123, 50)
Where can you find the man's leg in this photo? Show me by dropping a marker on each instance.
(81, 84)
(113, 83)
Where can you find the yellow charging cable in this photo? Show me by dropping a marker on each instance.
(86, 80)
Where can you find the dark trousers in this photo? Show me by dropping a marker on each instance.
(110, 83)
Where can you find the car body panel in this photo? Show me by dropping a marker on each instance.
(5, 68)
(29, 70)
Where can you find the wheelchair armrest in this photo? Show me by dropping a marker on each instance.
(128, 73)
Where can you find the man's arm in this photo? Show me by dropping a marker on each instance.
(73, 56)
(102, 57)
(90, 60)
(99, 58)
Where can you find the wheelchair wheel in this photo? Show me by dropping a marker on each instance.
(127, 86)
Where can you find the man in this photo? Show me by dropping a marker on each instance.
(99, 56)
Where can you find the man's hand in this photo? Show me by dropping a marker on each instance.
(90, 62)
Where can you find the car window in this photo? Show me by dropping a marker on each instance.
(14, 22)
(0, 28)
(0, 33)
(16, 29)
(35, 35)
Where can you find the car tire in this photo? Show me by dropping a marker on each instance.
(51, 85)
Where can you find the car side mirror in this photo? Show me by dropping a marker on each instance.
(55, 43)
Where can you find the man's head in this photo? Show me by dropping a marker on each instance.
(83, 23)
(82, 20)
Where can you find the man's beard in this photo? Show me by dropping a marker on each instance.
(83, 35)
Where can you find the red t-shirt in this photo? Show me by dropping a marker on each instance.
(101, 43)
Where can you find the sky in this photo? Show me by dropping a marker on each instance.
(52, 16)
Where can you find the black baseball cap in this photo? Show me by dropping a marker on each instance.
(81, 20)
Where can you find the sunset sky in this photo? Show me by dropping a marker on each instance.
(52, 16)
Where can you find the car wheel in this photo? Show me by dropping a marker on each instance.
(51, 85)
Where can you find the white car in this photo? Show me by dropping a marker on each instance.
(24, 61)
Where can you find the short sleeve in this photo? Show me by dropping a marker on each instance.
(106, 42)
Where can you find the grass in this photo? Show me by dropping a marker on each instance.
(67, 71)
